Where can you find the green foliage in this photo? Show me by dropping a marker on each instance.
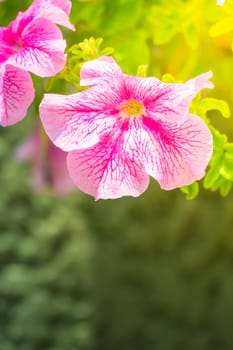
(151, 273)
(117, 13)
(224, 24)
(220, 173)
(77, 54)
(165, 284)
(191, 191)
(45, 263)
(170, 18)
(142, 70)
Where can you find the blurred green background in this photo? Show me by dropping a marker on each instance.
(154, 272)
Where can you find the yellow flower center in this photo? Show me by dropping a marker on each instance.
(131, 109)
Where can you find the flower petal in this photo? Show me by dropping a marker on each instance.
(176, 155)
(16, 94)
(57, 11)
(166, 101)
(11, 37)
(64, 5)
(28, 148)
(42, 50)
(79, 120)
(48, 170)
(6, 49)
(102, 70)
(62, 182)
(106, 170)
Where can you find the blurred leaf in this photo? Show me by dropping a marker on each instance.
(142, 70)
(220, 174)
(191, 191)
(191, 35)
(126, 50)
(225, 187)
(167, 19)
(116, 14)
(224, 26)
(79, 53)
(219, 140)
(227, 168)
(214, 172)
(168, 78)
(210, 103)
(164, 21)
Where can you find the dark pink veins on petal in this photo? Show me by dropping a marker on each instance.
(11, 43)
(174, 144)
(11, 38)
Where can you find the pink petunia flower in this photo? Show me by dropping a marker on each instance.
(124, 129)
(32, 42)
(48, 164)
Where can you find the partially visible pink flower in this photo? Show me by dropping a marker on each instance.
(16, 94)
(57, 11)
(32, 42)
(48, 165)
(220, 2)
(124, 129)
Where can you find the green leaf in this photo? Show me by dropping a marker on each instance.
(127, 50)
(191, 35)
(217, 183)
(142, 70)
(79, 53)
(108, 51)
(219, 139)
(191, 191)
(169, 78)
(116, 14)
(227, 168)
(229, 148)
(224, 26)
(164, 22)
(210, 103)
(225, 187)
(228, 7)
(214, 172)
